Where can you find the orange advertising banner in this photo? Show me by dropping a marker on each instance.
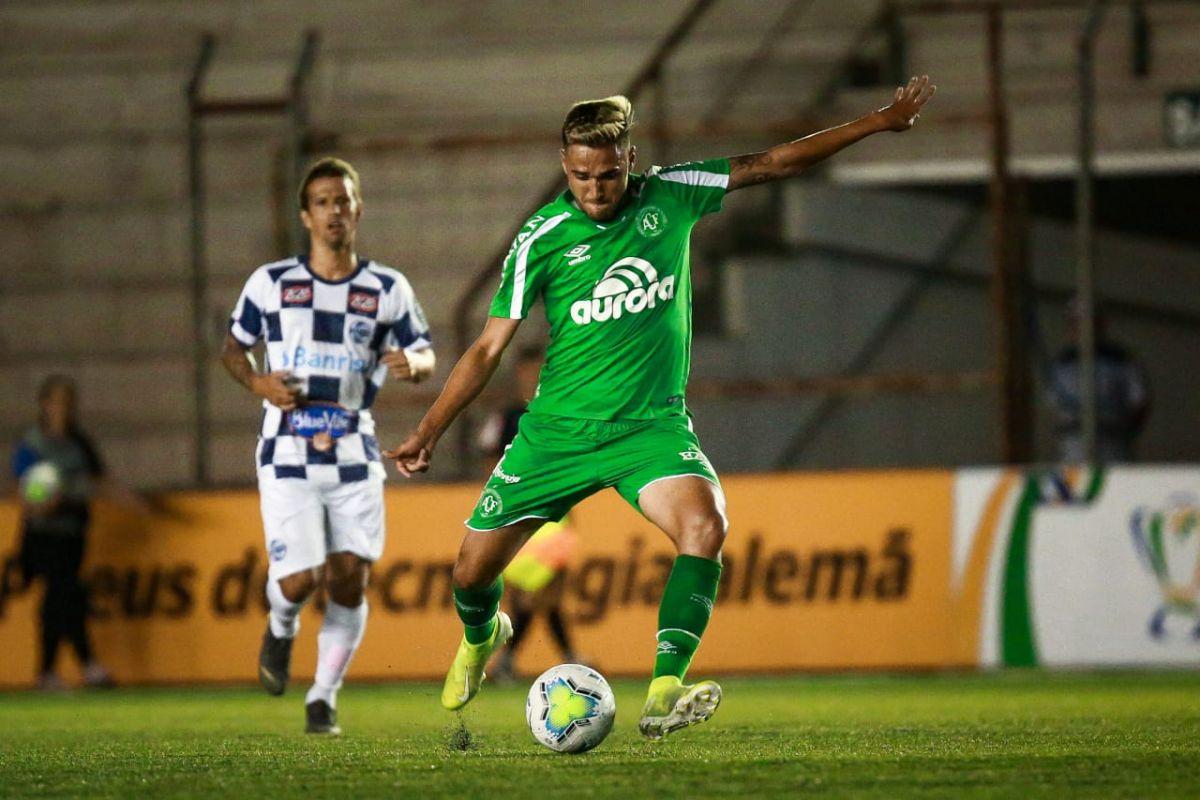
(822, 571)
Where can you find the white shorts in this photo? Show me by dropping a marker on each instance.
(304, 521)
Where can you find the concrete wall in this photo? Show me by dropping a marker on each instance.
(825, 301)
(92, 147)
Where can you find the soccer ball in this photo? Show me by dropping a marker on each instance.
(571, 708)
(41, 483)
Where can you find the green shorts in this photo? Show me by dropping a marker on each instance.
(555, 462)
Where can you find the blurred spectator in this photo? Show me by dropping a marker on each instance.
(500, 428)
(534, 578)
(1122, 395)
(59, 472)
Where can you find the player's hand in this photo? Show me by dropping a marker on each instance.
(413, 455)
(398, 366)
(274, 388)
(401, 367)
(906, 106)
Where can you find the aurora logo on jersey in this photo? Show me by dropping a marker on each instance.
(629, 286)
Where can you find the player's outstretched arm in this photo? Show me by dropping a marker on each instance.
(792, 158)
(466, 381)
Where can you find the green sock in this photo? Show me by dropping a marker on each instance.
(477, 609)
(683, 614)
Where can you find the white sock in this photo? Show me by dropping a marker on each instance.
(340, 634)
(285, 615)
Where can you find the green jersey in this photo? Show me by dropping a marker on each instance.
(618, 295)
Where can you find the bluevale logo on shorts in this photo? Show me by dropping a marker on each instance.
(629, 286)
(277, 550)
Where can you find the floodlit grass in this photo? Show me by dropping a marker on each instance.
(1025, 734)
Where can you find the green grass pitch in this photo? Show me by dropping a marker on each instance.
(1017, 734)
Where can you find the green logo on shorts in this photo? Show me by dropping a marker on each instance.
(490, 504)
(651, 222)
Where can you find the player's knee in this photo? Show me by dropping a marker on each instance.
(348, 593)
(703, 535)
(470, 574)
(346, 581)
(299, 587)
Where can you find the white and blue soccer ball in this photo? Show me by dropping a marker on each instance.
(41, 483)
(570, 708)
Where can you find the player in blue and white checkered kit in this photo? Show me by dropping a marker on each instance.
(333, 326)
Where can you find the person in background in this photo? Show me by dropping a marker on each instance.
(60, 472)
(332, 326)
(535, 576)
(1122, 395)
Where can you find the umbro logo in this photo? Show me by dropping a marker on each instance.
(667, 647)
(578, 254)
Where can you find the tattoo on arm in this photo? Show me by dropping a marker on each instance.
(751, 169)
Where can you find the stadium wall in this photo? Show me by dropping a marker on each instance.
(848, 570)
(94, 110)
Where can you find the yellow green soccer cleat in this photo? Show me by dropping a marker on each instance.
(466, 673)
(671, 705)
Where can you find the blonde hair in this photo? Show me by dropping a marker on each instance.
(599, 122)
(329, 168)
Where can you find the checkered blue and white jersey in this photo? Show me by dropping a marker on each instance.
(329, 336)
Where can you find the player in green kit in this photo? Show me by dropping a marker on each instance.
(609, 259)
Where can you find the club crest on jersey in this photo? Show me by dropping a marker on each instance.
(364, 302)
(651, 222)
(490, 504)
(297, 294)
(360, 331)
(629, 286)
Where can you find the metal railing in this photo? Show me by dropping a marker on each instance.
(295, 106)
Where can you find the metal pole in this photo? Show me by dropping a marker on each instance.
(998, 201)
(196, 193)
(1084, 230)
(298, 124)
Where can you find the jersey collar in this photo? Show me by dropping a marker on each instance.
(362, 264)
